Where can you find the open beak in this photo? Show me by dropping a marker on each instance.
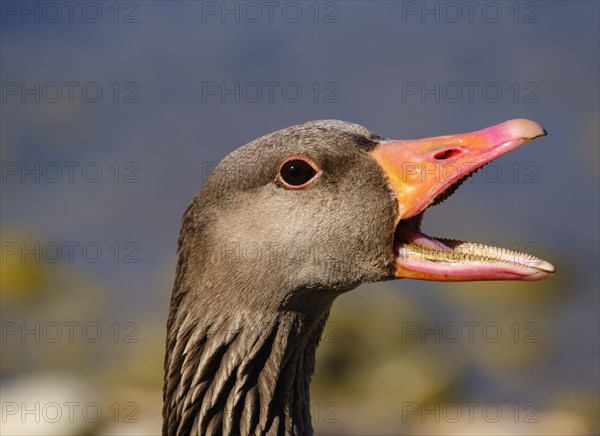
(424, 172)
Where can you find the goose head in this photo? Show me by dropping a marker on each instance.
(283, 226)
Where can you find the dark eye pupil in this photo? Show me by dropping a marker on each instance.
(297, 172)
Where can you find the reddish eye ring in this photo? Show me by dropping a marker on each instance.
(297, 172)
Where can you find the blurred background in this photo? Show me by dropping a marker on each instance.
(114, 113)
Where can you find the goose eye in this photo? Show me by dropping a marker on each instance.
(296, 173)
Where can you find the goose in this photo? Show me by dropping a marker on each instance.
(284, 225)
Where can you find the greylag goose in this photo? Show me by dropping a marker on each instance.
(283, 226)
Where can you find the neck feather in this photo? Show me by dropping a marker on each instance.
(245, 373)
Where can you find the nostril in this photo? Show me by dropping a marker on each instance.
(446, 154)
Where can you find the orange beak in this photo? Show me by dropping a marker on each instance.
(419, 170)
(422, 171)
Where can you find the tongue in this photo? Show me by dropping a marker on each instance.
(413, 237)
(422, 257)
